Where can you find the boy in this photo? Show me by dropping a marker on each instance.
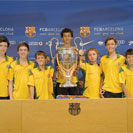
(19, 74)
(126, 75)
(110, 65)
(4, 67)
(40, 80)
(92, 73)
(67, 36)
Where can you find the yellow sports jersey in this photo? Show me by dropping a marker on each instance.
(111, 68)
(4, 73)
(61, 78)
(126, 77)
(92, 79)
(19, 74)
(42, 82)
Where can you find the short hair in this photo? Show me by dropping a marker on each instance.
(129, 52)
(23, 44)
(92, 49)
(110, 38)
(4, 39)
(40, 53)
(65, 30)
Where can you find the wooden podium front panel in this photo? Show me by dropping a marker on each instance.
(10, 116)
(130, 115)
(96, 116)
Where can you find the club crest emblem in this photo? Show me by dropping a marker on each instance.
(74, 108)
(84, 31)
(30, 32)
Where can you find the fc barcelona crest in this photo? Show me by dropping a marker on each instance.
(74, 108)
(84, 31)
(30, 32)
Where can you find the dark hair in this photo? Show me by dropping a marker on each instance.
(65, 31)
(110, 38)
(129, 52)
(4, 39)
(40, 53)
(23, 44)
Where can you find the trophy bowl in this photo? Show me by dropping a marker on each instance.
(67, 62)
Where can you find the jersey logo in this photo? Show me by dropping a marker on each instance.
(118, 63)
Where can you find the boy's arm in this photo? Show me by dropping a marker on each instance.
(10, 81)
(10, 88)
(81, 53)
(122, 81)
(31, 91)
(125, 90)
(31, 84)
(101, 84)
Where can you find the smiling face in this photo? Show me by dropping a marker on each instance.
(129, 59)
(40, 59)
(67, 37)
(3, 48)
(23, 52)
(111, 46)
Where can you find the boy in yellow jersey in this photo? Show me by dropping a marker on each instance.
(92, 73)
(67, 36)
(40, 80)
(110, 65)
(19, 74)
(126, 75)
(4, 67)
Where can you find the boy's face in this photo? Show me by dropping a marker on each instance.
(3, 48)
(92, 56)
(111, 46)
(40, 59)
(67, 37)
(130, 60)
(23, 52)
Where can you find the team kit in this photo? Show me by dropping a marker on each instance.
(24, 79)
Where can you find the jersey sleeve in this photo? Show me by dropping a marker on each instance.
(82, 65)
(31, 79)
(122, 76)
(10, 74)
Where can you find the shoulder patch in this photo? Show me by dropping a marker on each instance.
(121, 70)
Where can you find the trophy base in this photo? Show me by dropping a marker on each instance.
(68, 85)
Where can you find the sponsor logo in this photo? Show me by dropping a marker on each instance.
(120, 42)
(13, 42)
(35, 43)
(130, 42)
(100, 43)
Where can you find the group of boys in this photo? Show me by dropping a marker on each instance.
(22, 79)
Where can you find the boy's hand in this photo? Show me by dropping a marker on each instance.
(101, 93)
(81, 52)
(81, 84)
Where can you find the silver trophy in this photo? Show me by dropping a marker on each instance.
(67, 62)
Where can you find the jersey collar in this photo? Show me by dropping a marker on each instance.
(18, 61)
(118, 55)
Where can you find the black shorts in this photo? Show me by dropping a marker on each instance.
(112, 95)
(66, 90)
(4, 98)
